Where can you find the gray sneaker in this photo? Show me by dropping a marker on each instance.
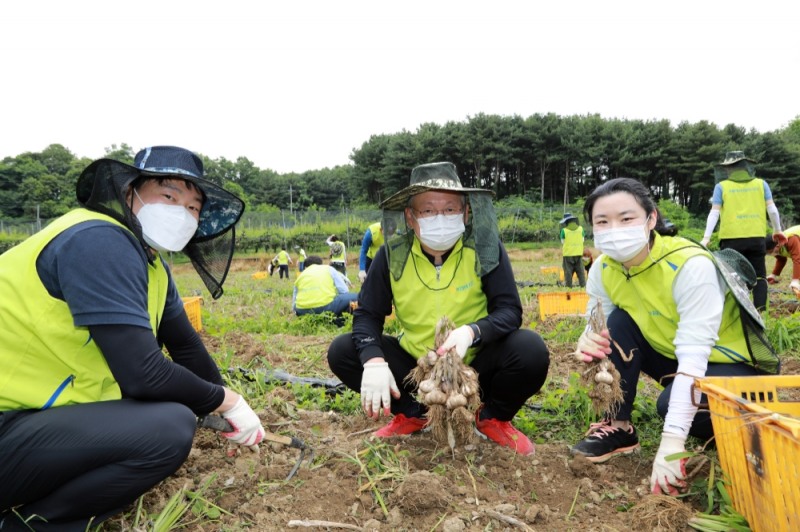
(604, 441)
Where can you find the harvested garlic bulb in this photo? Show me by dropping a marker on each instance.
(604, 377)
(455, 400)
(427, 386)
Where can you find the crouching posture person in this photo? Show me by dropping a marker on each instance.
(451, 262)
(670, 309)
(92, 414)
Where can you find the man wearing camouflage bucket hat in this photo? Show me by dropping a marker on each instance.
(741, 203)
(448, 262)
(92, 414)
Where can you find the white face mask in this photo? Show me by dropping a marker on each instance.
(442, 231)
(166, 227)
(623, 243)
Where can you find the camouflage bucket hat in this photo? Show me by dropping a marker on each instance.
(433, 176)
(733, 157)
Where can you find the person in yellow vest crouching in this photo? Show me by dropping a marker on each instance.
(572, 237)
(450, 262)
(675, 312)
(92, 412)
(322, 288)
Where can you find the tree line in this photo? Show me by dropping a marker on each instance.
(543, 158)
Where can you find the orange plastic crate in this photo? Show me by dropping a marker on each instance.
(192, 307)
(758, 441)
(562, 303)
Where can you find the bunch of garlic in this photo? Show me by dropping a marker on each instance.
(449, 388)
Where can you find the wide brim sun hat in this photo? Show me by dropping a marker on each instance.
(733, 157)
(103, 186)
(567, 217)
(440, 176)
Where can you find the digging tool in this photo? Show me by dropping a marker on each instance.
(221, 424)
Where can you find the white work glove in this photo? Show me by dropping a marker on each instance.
(795, 286)
(592, 346)
(362, 275)
(247, 428)
(377, 384)
(669, 476)
(772, 279)
(460, 338)
(704, 242)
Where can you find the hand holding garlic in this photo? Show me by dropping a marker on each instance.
(592, 346)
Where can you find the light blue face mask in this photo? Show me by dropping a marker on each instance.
(166, 227)
(441, 232)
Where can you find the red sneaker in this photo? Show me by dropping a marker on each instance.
(503, 433)
(400, 425)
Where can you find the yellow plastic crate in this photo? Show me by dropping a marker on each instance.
(562, 303)
(192, 307)
(758, 442)
(550, 270)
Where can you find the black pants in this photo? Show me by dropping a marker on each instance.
(646, 359)
(81, 464)
(283, 269)
(755, 251)
(510, 370)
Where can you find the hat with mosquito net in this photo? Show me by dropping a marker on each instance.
(740, 277)
(735, 160)
(104, 185)
(481, 232)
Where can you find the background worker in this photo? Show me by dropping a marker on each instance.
(283, 260)
(740, 203)
(451, 263)
(674, 320)
(92, 413)
(370, 244)
(788, 251)
(588, 259)
(338, 254)
(572, 237)
(321, 288)
(301, 258)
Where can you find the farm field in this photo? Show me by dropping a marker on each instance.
(347, 480)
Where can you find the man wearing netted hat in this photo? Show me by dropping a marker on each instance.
(572, 237)
(92, 413)
(450, 262)
(741, 203)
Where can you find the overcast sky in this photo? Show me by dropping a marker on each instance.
(297, 85)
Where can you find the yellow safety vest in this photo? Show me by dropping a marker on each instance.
(46, 360)
(422, 295)
(743, 213)
(573, 242)
(377, 239)
(647, 297)
(315, 287)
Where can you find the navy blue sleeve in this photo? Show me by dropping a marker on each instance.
(144, 373)
(100, 270)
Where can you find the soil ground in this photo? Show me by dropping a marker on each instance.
(478, 487)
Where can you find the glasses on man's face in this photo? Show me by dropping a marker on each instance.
(430, 213)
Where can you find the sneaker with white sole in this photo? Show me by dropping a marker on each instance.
(604, 441)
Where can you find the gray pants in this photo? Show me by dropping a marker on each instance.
(572, 265)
